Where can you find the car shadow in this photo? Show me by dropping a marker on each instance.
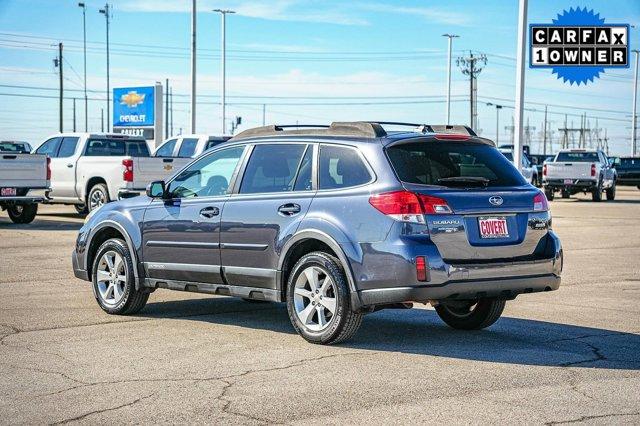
(420, 331)
(41, 225)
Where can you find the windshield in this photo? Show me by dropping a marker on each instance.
(578, 157)
(453, 164)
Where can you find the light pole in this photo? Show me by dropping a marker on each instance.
(105, 12)
(498, 108)
(520, 65)
(223, 13)
(634, 114)
(84, 40)
(193, 66)
(450, 37)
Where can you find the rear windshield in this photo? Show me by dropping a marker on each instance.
(117, 148)
(452, 164)
(635, 162)
(578, 157)
(14, 147)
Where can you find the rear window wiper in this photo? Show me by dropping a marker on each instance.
(464, 180)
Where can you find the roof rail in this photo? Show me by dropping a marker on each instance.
(361, 129)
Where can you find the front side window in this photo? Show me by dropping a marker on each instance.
(209, 176)
(50, 147)
(166, 150)
(459, 164)
(272, 168)
(68, 147)
(100, 147)
(187, 147)
(341, 167)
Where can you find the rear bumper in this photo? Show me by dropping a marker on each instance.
(23, 199)
(576, 185)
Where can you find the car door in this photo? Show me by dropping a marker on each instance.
(181, 234)
(64, 183)
(267, 206)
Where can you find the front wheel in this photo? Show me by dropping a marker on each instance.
(471, 315)
(113, 279)
(81, 208)
(22, 213)
(318, 300)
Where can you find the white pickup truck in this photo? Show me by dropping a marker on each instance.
(188, 146)
(88, 170)
(20, 175)
(579, 170)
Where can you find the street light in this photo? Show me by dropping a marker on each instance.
(223, 14)
(105, 12)
(520, 66)
(84, 38)
(634, 115)
(498, 108)
(450, 37)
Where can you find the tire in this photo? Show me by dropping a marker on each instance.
(81, 208)
(120, 285)
(566, 194)
(534, 180)
(479, 315)
(331, 327)
(98, 195)
(550, 194)
(611, 193)
(22, 213)
(596, 193)
(638, 187)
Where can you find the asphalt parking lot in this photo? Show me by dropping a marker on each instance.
(568, 356)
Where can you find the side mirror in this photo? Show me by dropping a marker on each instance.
(156, 189)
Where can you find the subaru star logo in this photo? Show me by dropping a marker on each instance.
(496, 200)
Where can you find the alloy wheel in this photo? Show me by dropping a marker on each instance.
(315, 298)
(111, 277)
(97, 199)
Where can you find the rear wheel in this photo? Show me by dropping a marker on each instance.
(98, 195)
(596, 194)
(318, 300)
(113, 279)
(549, 193)
(611, 193)
(22, 213)
(565, 193)
(471, 315)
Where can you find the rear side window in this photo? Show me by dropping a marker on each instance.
(116, 148)
(50, 147)
(341, 167)
(578, 157)
(166, 150)
(68, 147)
(187, 147)
(453, 164)
(272, 168)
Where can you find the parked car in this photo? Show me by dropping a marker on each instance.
(21, 176)
(528, 170)
(579, 170)
(628, 171)
(89, 170)
(188, 146)
(538, 160)
(15, 146)
(335, 221)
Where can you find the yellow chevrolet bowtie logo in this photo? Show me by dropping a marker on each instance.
(131, 99)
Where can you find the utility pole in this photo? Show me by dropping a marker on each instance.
(102, 120)
(166, 109)
(450, 37)
(544, 133)
(105, 12)
(472, 66)
(74, 115)
(223, 89)
(264, 113)
(84, 40)
(58, 63)
(634, 114)
(520, 66)
(193, 66)
(171, 110)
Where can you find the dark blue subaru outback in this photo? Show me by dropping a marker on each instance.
(336, 221)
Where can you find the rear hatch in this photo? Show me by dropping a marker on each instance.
(573, 165)
(489, 213)
(149, 169)
(23, 170)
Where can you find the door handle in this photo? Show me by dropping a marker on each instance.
(209, 212)
(289, 209)
(70, 165)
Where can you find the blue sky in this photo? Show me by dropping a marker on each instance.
(308, 61)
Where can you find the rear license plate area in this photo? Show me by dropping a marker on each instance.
(8, 192)
(568, 181)
(493, 227)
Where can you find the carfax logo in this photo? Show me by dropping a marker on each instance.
(578, 46)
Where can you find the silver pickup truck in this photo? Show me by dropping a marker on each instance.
(20, 176)
(90, 169)
(579, 170)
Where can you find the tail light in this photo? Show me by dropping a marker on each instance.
(406, 206)
(452, 137)
(544, 170)
(540, 203)
(593, 169)
(48, 168)
(421, 269)
(127, 174)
